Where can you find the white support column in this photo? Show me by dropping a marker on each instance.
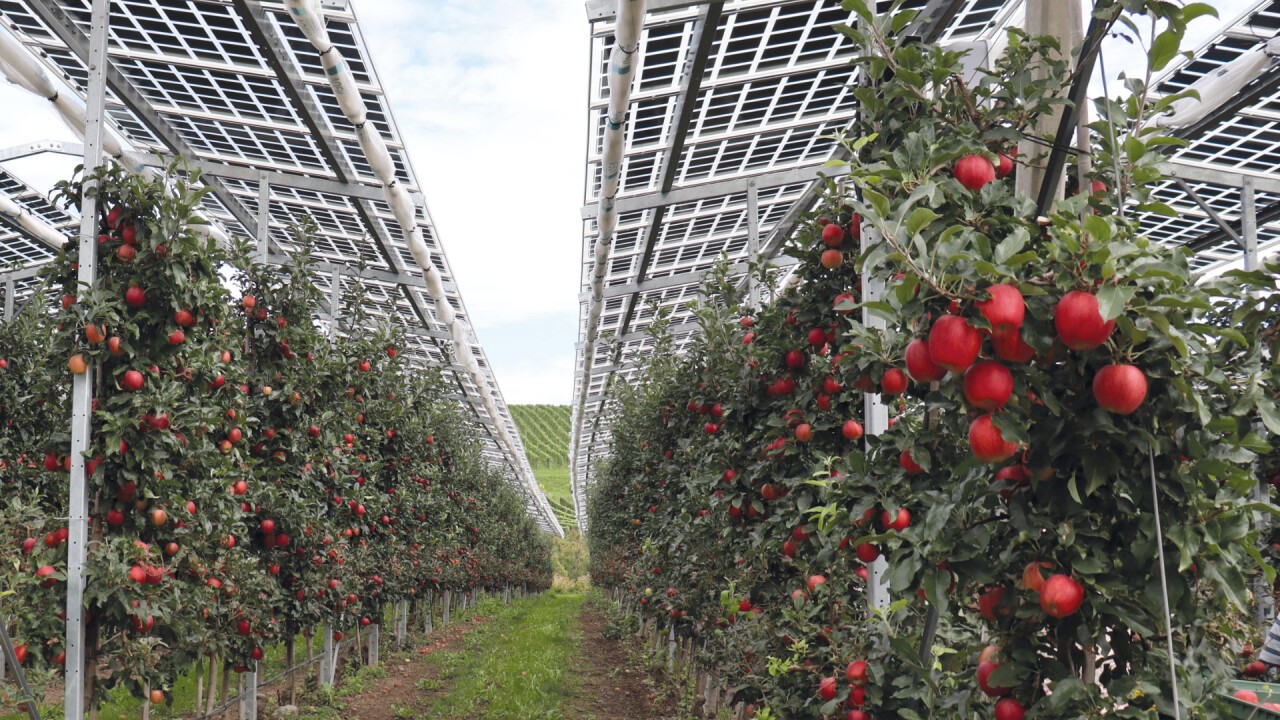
(74, 700)
(328, 657)
(8, 299)
(753, 239)
(1064, 21)
(876, 415)
(431, 599)
(444, 619)
(375, 632)
(264, 218)
(1249, 223)
(249, 693)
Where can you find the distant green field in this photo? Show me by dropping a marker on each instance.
(545, 432)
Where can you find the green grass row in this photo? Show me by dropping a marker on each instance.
(516, 665)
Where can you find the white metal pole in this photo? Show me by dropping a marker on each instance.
(74, 702)
(264, 217)
(876, 414)
(1249, 223)
(249, 693)
(753, 239)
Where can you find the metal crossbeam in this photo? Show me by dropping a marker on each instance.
(708, 191)
(300, 182)
(607, 10)
(17, 152)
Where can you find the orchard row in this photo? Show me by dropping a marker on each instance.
(250, 477)
(1047, 381)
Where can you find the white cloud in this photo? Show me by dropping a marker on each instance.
(490, 100)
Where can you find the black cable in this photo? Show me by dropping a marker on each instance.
(1079, 88)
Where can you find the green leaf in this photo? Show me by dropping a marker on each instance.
(1098, 228)
(1112, 300)
(1165, 48)
(1012, 245)
(1270, 415)
(920, 218)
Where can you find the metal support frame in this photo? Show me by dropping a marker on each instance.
(248, 174)
(9, 289)
(264, 218)
(708, 191)
(695, 68)
(1208, 210)
(40, 147)
(607, 10)
(875, 413)
(66, 30)
(1248, 225)
(96, 61)
(753, 240)
(6, 644)
(249, 692)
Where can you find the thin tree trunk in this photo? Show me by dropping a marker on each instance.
(211, 699)
(226, 686)
(291, 659)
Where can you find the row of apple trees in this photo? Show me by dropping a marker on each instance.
(1048, 379)
(250, 476)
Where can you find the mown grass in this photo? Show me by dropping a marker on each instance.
(516, 665)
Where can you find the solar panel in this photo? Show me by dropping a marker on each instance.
(235, 83)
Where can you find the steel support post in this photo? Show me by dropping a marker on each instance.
(753, 240)
(876, 415)
(264, 218)
(444, 619)
(375, 632)
(1249, 224)
(8, 299)
(74, 701)
(328, 657)
(335, 299)
(249, 693)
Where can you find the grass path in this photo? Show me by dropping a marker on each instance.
(517, 665)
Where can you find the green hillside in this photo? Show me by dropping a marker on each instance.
(545, 432)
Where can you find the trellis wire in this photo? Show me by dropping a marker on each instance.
(1164, 584)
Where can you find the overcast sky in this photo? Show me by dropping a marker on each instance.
(489, 97)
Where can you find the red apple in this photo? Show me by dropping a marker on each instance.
(1008, 708)
(904, 460)
(131, 381)
(987, 442)
(1012, 348)
(852, 430)
(893, 382)
(1004, 309)
(974, 171)
(833, 235)
(988, 385)
(1079, 321)
(1120, 388)
(827, 686)
(856, 673)
(1061, 596)
(920, 365)
(953, 343)
(901, 520)
(985, 668)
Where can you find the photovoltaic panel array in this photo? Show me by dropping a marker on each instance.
(235, 85)
(776, 85)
